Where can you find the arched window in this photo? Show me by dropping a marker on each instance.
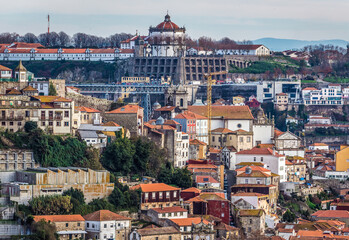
(181, 102)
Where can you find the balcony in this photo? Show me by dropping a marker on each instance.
(12, 118)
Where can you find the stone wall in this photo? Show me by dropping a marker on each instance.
(102, 105)
(7, 85)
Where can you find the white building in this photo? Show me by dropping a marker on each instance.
(167, 212)
(319, 146)
(167, 39)
(270, 158)
(181, 149)
(331, 95)
(318, 119)
(41, 86)
(267, 90)
(242, 49)
(288, 144)
(104, 224)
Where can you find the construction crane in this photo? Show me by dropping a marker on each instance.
(208, 76)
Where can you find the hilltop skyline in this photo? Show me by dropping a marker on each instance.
(314, 20)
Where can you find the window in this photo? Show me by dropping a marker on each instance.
(174, 194)
(241, 139)
(19, 123)
(250, 221)
(88, 224)
(66, 113)
(167, 194)
(78, 224)
(105, 225)
(248, 139)
(58, 124)
(67, 224)
(213, 138)
(66, 124)
(249, 229)
(160, 194)
(153, 195)
(261, 159)
(169, 237)
(246, 181)
(11, 123)
(254, 159)
(146, 195)
(239, 125)
(27, 114)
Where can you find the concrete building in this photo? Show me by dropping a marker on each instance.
(296, 171)
(130, 117)
(248, 200)
(68, 226)
(263, 129)
(13, 160)
(223, 137)
(268, 90)
(197, 149)
(49, 181)
(104, 224)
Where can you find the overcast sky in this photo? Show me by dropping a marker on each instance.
(237, 19)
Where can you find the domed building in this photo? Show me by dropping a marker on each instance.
(167, 39)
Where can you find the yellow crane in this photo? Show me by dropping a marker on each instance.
(208, 76)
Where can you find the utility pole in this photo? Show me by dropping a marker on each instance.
(48, 30)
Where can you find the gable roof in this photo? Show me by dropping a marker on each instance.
(189, 115)
(157, 231)
(332, 214)
(197, 142)
(227, 112)
(111, 124)
(192, 189)
(205, 179)
(154, 187)
(29, 88)
(87, 109)
(260, 151)
(59, 218)
(222, 130)
(188, 221)
(50, 99)
(130, 108)
(104, 215)
(169, 209)
(3, 68)
(165, 109)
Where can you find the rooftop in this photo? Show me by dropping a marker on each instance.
(130, 108)
(59, 218)
(155, 187)
(169, 209)
(104, 215)
(227, 112)
(188, 221)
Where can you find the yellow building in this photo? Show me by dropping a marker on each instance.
(342, 159)
(237, 100)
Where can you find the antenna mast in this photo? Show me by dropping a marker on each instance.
(48, 29)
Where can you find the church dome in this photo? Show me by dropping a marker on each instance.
(167, 24)
(156, 105)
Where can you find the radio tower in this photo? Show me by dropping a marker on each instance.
(48, 30)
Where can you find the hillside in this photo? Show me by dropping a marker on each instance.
(73, 71)
(278, 44)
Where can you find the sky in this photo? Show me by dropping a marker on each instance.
(237, 19)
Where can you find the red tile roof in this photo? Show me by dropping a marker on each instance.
(130, 108)
(228, 112)
(155, 187)
(59, 218)
(277, 132)
(205, 179)
(104, 215)
(188, 221)
(197, 142)
(87, 109)
(3, 68)
(50, 99)
(189, 115)
(165, 109)
(222, 130)
(260, 151)
(331, 214)
(248, 194)
(29, 89)
(192, 189)
(200, 166)
(169, 209)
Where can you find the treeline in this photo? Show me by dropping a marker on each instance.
(61, 39)
(211, 44)
(52, 150)
(139, 157)
(83, 40)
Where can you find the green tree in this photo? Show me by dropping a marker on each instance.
(30, 126)
(76, 198)
(288, 216)
(51, 205)
(52, 90)
(43, 230)
(182, 178)
(118, 156)
(141, 156)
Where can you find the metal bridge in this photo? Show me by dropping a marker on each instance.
(100, 89)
